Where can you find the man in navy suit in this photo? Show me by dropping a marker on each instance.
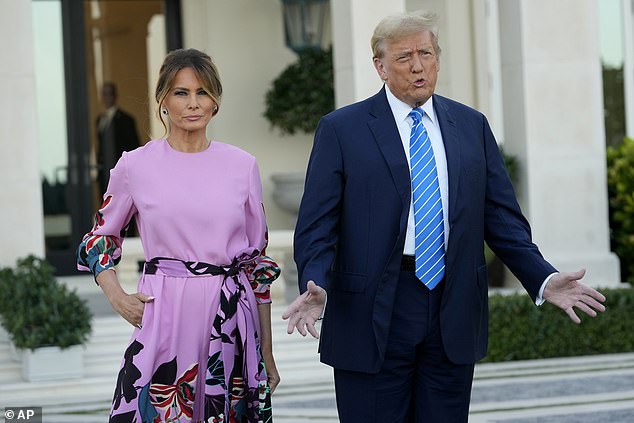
(403, 346)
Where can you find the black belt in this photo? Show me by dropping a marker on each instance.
(408, 263)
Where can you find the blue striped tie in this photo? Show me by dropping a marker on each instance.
(428, 216)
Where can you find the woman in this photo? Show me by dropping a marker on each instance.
(201, 350)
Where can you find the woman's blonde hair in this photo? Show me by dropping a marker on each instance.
(203, 67)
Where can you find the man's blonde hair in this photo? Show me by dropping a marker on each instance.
(402, 25)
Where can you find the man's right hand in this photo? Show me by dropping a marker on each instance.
(306, 310)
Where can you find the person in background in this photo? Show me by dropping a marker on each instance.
(201, 349)
(116, 133)
(402, 190)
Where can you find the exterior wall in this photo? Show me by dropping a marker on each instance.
(246, 40)
(21, 225)
(353, 25)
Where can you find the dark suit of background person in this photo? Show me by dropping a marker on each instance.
(116, 133)
(401, 352)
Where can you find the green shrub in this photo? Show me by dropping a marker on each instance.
(518, 330)
(302, 93)
(37, 311)
(621, 200)
(6, 294)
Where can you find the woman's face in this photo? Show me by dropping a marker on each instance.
(189, 107)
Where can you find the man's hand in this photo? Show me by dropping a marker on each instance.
(306, 310)
(565, 291)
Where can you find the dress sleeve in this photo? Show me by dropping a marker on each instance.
(100, 248)
(264, 269)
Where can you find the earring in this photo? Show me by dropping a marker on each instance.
(215, 108)
(164, 111)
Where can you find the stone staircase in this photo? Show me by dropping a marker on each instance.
(91, 395)
(578, 389)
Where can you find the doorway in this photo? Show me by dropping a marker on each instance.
(96, 62)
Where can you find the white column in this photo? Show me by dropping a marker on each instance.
(353, 23)
(553, 117)
(21, 224)
(628, 65)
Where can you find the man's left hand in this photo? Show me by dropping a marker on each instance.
(565, 291)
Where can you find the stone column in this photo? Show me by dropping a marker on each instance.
(21, 224)
(353, 23)
(553, 116)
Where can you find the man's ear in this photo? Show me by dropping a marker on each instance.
(380, 68)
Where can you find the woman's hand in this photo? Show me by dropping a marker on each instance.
(266, 345)
(129, 306)
(272, 375)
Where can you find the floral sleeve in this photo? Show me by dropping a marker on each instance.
(100, 248)
(264, 270)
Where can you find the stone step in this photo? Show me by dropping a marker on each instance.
(307, 390)
(559, 365)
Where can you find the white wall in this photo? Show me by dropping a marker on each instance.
(353, 24)
(21, 227)
(245, 38)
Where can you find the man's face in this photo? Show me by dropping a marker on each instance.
(409, 67)
(108, 98)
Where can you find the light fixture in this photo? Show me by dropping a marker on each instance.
(304, 23)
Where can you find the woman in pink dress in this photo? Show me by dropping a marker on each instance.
(201, 350)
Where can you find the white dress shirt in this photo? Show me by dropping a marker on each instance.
(404, 123)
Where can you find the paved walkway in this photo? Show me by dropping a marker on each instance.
(580, 389)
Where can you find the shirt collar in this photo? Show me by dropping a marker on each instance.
(110, 111)
(401, 109)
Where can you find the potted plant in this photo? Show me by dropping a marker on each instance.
(297, 99)
(4, 303)
(47, 323)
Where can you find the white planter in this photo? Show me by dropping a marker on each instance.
(52, 363)
(288, 190)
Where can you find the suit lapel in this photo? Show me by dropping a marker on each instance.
(452, 151)
(388, 139)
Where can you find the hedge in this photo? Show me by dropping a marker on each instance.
(518, 330)
(621, 201)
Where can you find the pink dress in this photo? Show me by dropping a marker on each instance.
(201, 221)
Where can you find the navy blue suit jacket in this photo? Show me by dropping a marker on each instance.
(352, 220)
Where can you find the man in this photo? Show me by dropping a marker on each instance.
(402, 190)
(116, 133)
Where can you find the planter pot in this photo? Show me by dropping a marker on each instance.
(52, 363)
(288, 190)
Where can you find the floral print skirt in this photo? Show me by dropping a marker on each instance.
(197, 357)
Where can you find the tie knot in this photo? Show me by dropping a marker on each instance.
(416, 115)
